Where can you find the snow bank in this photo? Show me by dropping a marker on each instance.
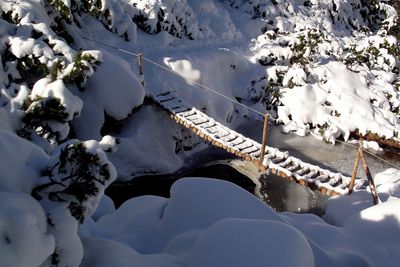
(45, 88)
(243, 242)
(6, 122)
(338, 209)
(105, 206)
(388, 182)
(104, 253)
(23, 224)
(171, 144)
(222, 71)
(185, 212)
(208, 222)
(332, 104)
(113, 89)
(21, 163)
(214, 21)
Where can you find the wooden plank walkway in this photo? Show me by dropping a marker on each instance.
(276, 161)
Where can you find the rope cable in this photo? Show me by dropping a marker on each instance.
(371, 154)
(204, 86)
(180, 75)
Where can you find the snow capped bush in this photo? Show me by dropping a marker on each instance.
(50, 109)
(40, 70)
(174, 17)
(296, 47)
(376, 52)
(81, 68)
(67, 187)
(70, 190)
(124, 17)
(114, 15)
(78, 176)
(25, 240)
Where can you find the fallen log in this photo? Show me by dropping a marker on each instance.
(375, 137)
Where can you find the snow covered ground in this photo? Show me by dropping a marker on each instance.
(72, 120)
(206, 222)
(230, 227)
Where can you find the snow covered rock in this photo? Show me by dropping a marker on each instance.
(21, 163)
(23, 224)
(113, 89)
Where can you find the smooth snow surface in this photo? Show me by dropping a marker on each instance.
(25, 240)
(21, 163)
(113, 90)
(207, 222)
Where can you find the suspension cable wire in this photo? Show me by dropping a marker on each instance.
(110, 46)
(218, 93)
(204, 86)
(369, 153)
(181, 76)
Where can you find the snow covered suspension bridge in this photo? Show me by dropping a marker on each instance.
(276, 161)
(268, 158)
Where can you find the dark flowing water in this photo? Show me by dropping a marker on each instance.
(160, 185)
(280, 194)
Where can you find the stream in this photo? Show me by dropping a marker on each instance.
(279, 193)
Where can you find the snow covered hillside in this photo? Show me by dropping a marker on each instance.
(74, 117)
(330, 68)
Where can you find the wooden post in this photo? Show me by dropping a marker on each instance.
(140, 59)
(264, 142)
(369, 176)
(141, 69)
(355, 170)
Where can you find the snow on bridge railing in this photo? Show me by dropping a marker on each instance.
(276, 161)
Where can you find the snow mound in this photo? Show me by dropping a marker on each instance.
(113, 82)
(21, 163)
(45, 88)
(173, 144)
(208, 222)
(23, 224)
(244, 242)
(388, 182)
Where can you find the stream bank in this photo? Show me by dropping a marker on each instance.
(280, 194)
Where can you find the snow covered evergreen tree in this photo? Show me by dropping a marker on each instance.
(69, 191)
(298, 38)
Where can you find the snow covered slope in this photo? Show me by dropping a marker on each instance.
(330, 68)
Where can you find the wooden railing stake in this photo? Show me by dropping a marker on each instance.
(360, 155)
(369, 176)
(141, 69)
(264, 142)
(355, 170)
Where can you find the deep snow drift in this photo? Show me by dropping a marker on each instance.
(230, 227)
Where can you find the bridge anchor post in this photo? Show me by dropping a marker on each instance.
(355, 170)
(141, 68)
(264, 143)
(360, 156)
